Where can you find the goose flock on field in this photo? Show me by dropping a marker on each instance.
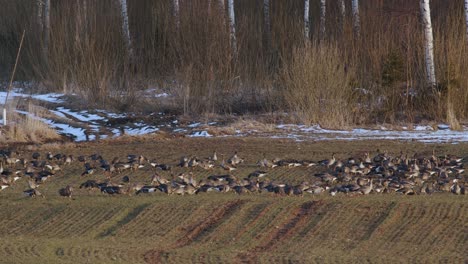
(381, 173)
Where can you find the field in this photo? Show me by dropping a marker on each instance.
(218, 227)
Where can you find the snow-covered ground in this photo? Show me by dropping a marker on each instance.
(71, 123)
(419, 133)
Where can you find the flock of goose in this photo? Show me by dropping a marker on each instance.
(381, 173)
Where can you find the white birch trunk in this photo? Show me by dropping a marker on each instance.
(46, 26)
(125, 27)
(323, 12)
(429, 41)
(343, 13)
(306, 20)
(466, 18)
(40, 17)
(356, 18)
(232, 26)
(266, 18)
(176, 13)
(343, 8)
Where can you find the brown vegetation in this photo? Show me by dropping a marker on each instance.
(342, 80)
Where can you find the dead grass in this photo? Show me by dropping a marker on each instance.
(27, 128)
(87, 55)
(317, 87)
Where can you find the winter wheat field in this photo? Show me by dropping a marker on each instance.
(279, 205)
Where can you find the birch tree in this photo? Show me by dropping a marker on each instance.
(40, 15)
(343, 13)
(232, 27)
(176, 13)
(266, 18)
(356, 18)
(306, 20)
(429, 41)
(466, 18)
(323, 11)
(125, 27)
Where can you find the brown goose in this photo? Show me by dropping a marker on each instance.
(225, 166)
(66, 192)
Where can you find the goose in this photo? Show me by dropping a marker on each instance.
(122, 166)
(214, 157)
(126, 179)
(179, 190)
(4, 185)
(153, 163)
(189, 189)
(240, 189)
(367, 189)
(206, 164)
(68, 160)
(89, 184)
(258, 173)
(266, 163)
(82, 158)
(193, 162)
(32, 184)
(49, 156)
(112, 189)
(308, 163)
(66, 192)
(145, 189)
(326, 177)
(235, 160)
(315, 190)
(328, 162)
(88, 170)
(455, 188)
(36, 155)
(184, 162)
(164, 167)
(225, 166)
(33, 193)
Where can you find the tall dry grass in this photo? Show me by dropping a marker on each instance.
(318, 86)
(27, 128)
(87, 55)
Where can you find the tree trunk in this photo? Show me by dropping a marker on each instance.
(46, 27)
(176, 13)
(222, 8)
(306, 20)
(429, 41)
(232, 26)
(323, 11)
(40, 16)
(466, 18)
(343, 14)
(125, 27)
(356, 18)
(266, 18)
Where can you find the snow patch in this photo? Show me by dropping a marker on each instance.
(200, 134)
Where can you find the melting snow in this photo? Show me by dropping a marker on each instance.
(49, 97)
(421, 133)
(140, 131)
(81, 116)
(194, 125)
(200, 134)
